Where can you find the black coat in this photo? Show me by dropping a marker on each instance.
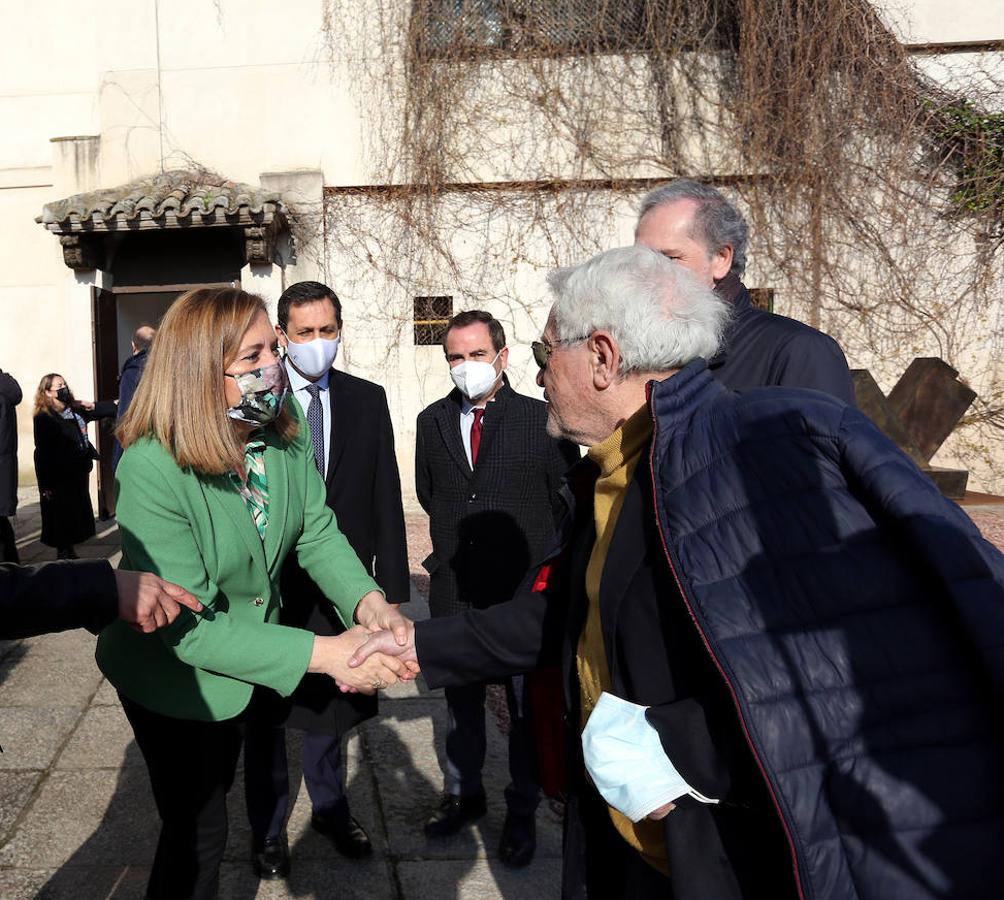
(364, 491)
(10, 397)
(489, 524)
(63, 462)
(762, 349)
(56, 596)
(132, 371)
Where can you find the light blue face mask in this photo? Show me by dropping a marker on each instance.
(627, 762)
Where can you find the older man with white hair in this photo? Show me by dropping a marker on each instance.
(781, 647)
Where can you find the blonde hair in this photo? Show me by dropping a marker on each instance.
(43, 402)
(180, 400)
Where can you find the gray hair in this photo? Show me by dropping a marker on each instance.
(659, 313)
(718, 223)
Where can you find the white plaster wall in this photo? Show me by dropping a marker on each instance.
(246, 87)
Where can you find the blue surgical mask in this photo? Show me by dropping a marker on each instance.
(626, 760)
(263, 393)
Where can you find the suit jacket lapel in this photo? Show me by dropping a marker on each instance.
(448, 420)
(221, 492)
(338, 404)
(624, 557)
(277, 474)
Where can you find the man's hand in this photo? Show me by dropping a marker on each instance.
(386, 644)
(374, 613)
(662, 812)
(147, 602)
(331, 654)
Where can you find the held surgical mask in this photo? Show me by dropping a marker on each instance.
(313, 358)
(626, 760)
(475, 379)
(263, 392)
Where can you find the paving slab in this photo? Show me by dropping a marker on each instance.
(479, 879)
(16, 789)
(97, 817)
(43, 680)
(32, 737)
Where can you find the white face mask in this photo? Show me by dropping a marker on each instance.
(313, 358)
(475, 379)
(626, 760)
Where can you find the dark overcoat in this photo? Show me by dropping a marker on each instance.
(846, 626)
(762, 349)
(64, 458)
(10, 397)
(364, 491)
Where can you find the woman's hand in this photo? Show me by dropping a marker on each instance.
(374, 613)
(330, 656)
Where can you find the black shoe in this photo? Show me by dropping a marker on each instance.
(454, 812)
(519, 840)
(348, 836)
(272, 860)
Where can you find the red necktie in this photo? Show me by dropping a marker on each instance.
(476, 435)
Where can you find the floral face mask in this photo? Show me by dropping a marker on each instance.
(263, 393)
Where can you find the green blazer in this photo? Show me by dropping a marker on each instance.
(196, 531)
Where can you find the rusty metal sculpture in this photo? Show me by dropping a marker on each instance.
(920, 412)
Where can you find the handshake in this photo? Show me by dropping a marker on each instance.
(371, 656)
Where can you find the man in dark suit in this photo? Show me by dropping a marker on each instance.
(487, 474)
(354, 452)
(132, 371)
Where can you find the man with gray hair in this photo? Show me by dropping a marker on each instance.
(780, 645)
(695, 225)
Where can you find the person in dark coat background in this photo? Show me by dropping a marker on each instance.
(487, 474)
(696, 226)
(132, 371)
(354, 451)
(10, 397)
(811, 632)
(64, 457)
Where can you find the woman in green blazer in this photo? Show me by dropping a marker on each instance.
(216, 486)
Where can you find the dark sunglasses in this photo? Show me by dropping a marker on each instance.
(542, 351)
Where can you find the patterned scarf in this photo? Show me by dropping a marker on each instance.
(255, 489)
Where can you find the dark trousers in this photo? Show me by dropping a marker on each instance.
(266, 778)
(7, 541)
(466, 743)
(191, 766)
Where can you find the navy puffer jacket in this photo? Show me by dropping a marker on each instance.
(858, 619)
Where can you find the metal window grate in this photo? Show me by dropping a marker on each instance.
(431, 315)
(545, 26)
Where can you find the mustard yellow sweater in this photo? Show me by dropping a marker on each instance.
(617, 457)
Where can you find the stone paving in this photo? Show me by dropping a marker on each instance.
(77, 819)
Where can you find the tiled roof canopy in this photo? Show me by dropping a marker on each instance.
(178, 198)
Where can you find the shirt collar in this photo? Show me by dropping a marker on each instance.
(298, 383)
(466, 407)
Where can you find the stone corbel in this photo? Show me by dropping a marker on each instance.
(259, 244)
(82, 252)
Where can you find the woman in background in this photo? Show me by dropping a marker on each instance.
(64, 457)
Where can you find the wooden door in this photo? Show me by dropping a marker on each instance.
(104, 335)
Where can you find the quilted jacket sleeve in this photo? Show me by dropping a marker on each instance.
(938, 533)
